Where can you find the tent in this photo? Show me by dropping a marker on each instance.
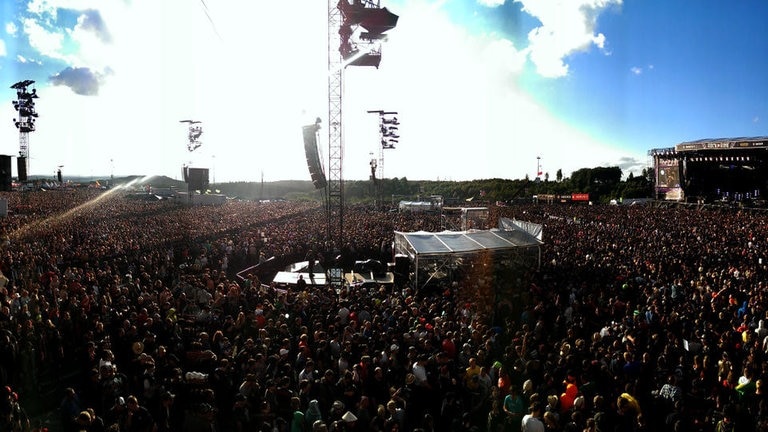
(436, 252)
(531, 228)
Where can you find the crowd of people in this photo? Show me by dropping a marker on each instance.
(131, 316)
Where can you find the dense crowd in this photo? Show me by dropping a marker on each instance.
(638, 318)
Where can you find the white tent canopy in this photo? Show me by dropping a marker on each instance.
(531, 228)
(443, 247)
(425, 243)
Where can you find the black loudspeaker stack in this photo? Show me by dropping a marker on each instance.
(313, 156)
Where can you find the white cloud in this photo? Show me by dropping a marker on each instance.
(636, 70)
(567, 26)
(42, 8)
(46, 42)
(11, 28)
(491, 3)
(462, 112)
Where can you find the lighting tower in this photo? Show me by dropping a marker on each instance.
(25, 123)
(388, 134)
(191, 175)
(355, 33)
(388, 137)
(193, 134)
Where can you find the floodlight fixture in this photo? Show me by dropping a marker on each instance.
(193, 134)
(22, 85)
(363, 48)
(25, 123)
(362, 58)
(372, 36)
(378, 20)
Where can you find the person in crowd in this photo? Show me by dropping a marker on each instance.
(532, 421)
(626, 300)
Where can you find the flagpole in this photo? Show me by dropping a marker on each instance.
(538, 166)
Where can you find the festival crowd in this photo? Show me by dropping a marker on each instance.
(131, 316)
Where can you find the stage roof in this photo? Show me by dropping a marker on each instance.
(724, 144)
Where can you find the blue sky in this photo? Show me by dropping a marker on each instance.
(482, 87)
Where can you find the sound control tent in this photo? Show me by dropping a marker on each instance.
(437, 252)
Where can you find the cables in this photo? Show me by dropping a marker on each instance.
(210, 20)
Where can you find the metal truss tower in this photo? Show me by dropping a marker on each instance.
(355, 33)
(335, 201)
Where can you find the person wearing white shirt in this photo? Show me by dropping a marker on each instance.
(532, 421)
(420, 371)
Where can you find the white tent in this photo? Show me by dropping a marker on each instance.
(442, 249)
(534, 229)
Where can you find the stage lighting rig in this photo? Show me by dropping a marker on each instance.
(356, 31)
(389, 134)
(388, 128)
(362, 30)
(25, 123)
(193, 134)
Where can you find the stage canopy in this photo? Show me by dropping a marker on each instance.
(434, 251)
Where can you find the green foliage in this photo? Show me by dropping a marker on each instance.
(602, 183)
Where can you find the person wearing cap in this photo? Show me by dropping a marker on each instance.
(167, 415)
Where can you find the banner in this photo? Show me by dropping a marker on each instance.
(720, 145)
(579, 197)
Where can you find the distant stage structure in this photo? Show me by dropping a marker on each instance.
(713, 170)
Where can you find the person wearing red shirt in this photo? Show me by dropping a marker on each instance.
(448, 346)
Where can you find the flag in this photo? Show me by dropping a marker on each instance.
(540, 173)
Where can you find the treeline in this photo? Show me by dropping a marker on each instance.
(602, 183)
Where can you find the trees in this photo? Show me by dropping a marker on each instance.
(602, 183)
